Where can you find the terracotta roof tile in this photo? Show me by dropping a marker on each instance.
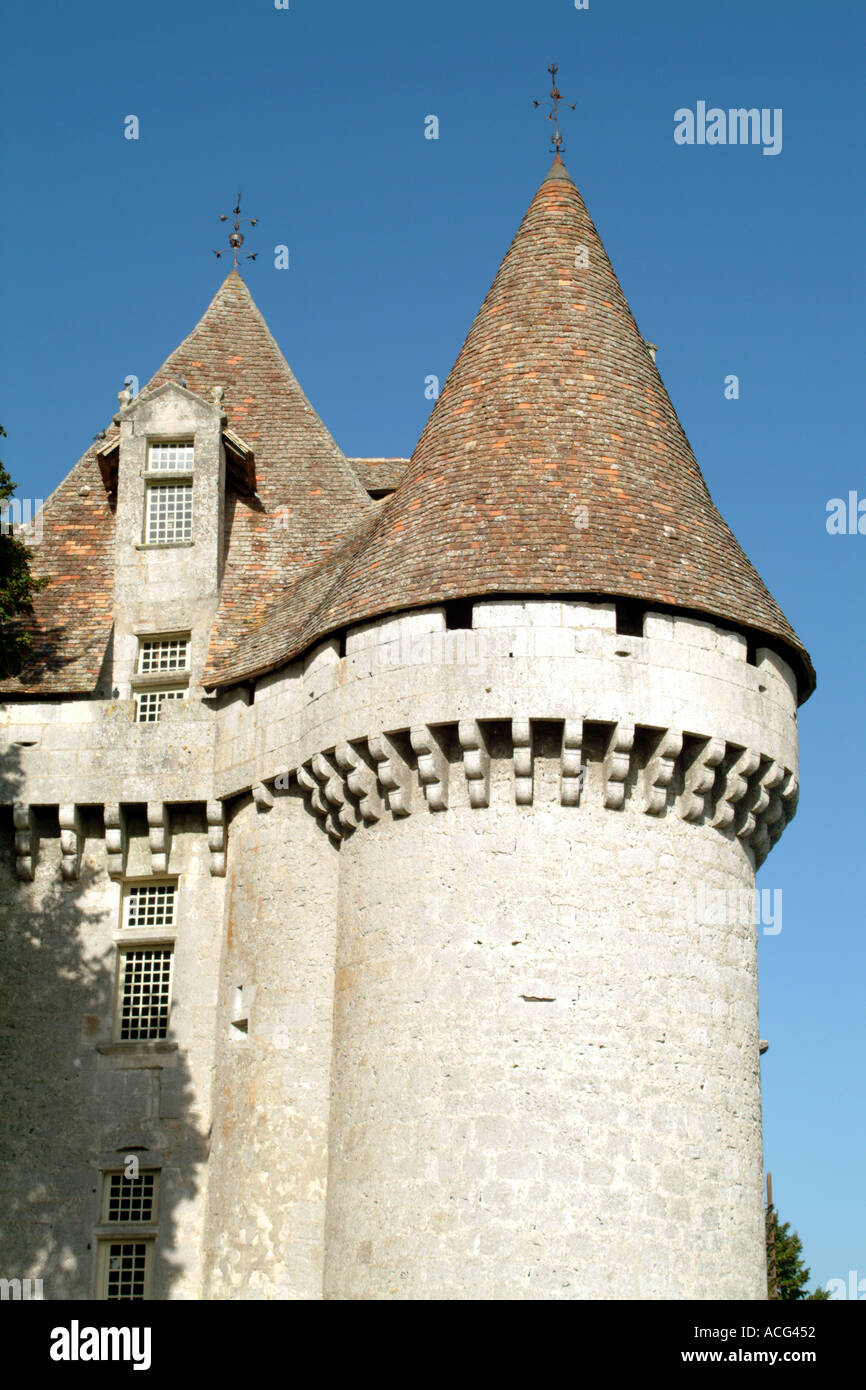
(309, 499)
(626, 513)
(71, 622)
(380, 475)
(553, 462)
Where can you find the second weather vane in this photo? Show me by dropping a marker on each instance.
(236, 237)
(553, 114)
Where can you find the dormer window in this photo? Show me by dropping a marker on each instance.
(176, 456)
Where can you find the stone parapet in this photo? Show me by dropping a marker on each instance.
(92, 752)
(687, 724)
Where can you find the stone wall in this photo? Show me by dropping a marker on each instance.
(471, 1033)
(546, 1078)
(75, 1103)
(268, 1172)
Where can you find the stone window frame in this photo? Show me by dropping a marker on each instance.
(128, 1224)
(121, 1237)
(144, 701)
(130, 938)
(132, 947)
(181, 476)
(179, 470)
(164, 931)
(160, 482)
(105, 1232)
(156, 640)
(170, 684)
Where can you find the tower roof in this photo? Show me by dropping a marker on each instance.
(308, 499)
(553, 462)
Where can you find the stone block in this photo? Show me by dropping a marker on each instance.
(499, 613)
(25, 735)
(590, 615)
(659, 625)
(80, 711)
(552, 642)
(695, 633)
(732, 644)
(325, 655)
(769, 662)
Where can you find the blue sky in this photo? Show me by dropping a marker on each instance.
(733, 262)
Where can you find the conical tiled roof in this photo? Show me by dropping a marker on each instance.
(552, 463)
(309, 499)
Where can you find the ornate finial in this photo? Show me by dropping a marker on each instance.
(236, 238)
(553, 114)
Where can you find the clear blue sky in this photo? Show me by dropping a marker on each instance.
(733, 262)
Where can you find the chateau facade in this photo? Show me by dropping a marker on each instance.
(356, 817)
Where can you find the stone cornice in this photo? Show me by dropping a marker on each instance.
(742, 793)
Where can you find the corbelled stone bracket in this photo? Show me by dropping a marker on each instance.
(326, 771)
(521, 735)
(702, 779)
(429, 747)
(26, 840)
(787, 795)
(71, 841)
(762, 806)
(393, 772)
(361, 780)
(735, 784)
(659, 771)
(116, 839)
(755, 801)
(313, 785)
(571, 779)
(699, 778)
(476, 761)
(262, 796)
(215, 815)
(159, 836)
(617, 761)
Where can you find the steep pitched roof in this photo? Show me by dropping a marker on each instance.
(71, 622)
(553, 462)
(308, 500)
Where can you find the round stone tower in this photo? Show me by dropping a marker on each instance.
(544, 710)
(545, 1077)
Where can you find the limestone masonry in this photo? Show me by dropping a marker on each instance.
(358, 817)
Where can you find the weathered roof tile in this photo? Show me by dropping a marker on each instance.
(536, 476)
(553, 462)
(309, 498)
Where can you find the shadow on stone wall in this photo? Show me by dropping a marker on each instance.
(64, 1105)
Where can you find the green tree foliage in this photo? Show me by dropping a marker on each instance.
(792, 1275)
(17, 587)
